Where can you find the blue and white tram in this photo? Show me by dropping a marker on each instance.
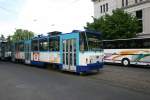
(46, 50)
(18, 54)
(5, 50)
(78, 51)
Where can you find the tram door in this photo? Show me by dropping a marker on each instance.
(27, 53)
(69, 54)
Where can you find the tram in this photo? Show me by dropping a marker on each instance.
(77, 51)
(5, 50)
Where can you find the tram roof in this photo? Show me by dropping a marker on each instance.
(87, 31)
(54, 33)
(50, 34)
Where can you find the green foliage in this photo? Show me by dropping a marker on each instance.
(118, 25)
(21, 34)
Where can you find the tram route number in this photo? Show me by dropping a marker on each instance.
(36, 56)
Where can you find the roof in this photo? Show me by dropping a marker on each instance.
(93, 0)
(87, 31)
(54, 33)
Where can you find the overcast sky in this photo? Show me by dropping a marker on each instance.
(42, 16)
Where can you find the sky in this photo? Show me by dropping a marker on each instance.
(42, 16)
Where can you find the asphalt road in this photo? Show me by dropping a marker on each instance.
(22, 82)
(135, 78)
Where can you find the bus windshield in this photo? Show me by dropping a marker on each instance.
(90, 42)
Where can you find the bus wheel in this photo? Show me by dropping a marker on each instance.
(125, 62)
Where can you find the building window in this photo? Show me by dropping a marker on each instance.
(122, 3)
(101, 9)
(139, 15)
(106, 7)
(126, 2)
(136, 1)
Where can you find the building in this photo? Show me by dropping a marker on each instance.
(139, 8)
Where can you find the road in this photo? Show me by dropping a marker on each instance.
(22, 82)
(136, 78)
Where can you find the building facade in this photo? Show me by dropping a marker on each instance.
(139, 8)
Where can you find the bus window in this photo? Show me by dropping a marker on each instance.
(109, 44)
(43, 45)
(122, 44)
(35, 45)
(139, 43)
(135, 43)
(146, 43)
(114, 45)
(132, 44)
(54, 44)
(126, 44)
(105, 46)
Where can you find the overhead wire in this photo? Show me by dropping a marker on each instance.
(7, 9)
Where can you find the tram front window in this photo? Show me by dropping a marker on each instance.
(94, 42)
(83, 42)
(90, 42)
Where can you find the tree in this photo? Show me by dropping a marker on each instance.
(21, 34)
(118, 25)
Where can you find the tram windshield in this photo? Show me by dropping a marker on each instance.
(90, 42)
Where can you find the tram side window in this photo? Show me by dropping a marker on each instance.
(21, 47)
(83, 42)
(54, 44)
(35, 45)
(43, 45)
(16, 47)
(8, 47)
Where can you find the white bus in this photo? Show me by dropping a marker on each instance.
(127, 51)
